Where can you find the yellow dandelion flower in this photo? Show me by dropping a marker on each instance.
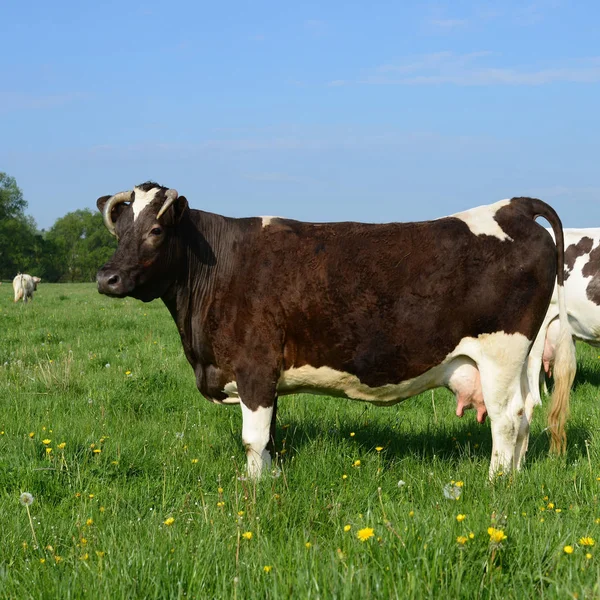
(100, 553)
(221, 504)
(558, 510)
(411, 513)
(127, 372)
(168, 522)
(42, 560)
(308, 545)
(496, 535)
(379, 448)
(346, 477)
(90, 496)
(83, 541)
(347, 527)
(247, 535)
(462, 539)
(267, 568)
(102, 509)
(84, 556)
(568, 549)
(588, 556)
(471, 535)
(240, 513)
(62, 445)
(58, 559)
(356, 463)
(220, 490)
(550, 505)
(48, 450)
(46, 441)
(597, 521)
(194, 461)
(32, 434)
(459, 484)
(97, 450)
(461, 518)
(352, 434)
(89, 522)
(587, 541)
(365, 534)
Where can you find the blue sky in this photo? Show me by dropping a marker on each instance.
(372, 111)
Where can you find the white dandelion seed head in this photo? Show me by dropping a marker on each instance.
(401, 483)
(107, 365)
(452, 492)
(26, 499)
(179, 435)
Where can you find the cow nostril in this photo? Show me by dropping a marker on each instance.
(113, 280)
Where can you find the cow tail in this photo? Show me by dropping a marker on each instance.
(565, 362)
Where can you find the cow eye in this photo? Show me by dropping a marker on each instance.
(156, 231)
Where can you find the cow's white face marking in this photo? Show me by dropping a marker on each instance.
(267, 220)
(141, 200)
(256, 428)
(481, 220)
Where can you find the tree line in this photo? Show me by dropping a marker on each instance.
(71, 250)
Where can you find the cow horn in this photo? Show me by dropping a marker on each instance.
(171, 197)
(110, 204)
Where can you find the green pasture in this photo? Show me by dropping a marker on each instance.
(139, 491)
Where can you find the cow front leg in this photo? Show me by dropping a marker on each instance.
(256, 435)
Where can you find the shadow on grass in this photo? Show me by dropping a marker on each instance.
(466, 439)
(587, 373)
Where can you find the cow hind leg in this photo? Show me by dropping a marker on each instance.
(530, 401)
(510, 429)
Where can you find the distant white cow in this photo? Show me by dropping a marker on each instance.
(582, 295)
(24, 285)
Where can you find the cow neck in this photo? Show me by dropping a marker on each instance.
(208, 248)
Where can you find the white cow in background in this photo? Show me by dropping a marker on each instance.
(582, 295)
(24, 285)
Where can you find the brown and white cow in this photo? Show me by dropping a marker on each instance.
(24, 285)
(582, 296)
(267, 306)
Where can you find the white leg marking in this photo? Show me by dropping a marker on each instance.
(256, 427)
(523, 434)
(141, 199)
(506, 427)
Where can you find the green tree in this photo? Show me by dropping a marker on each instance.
(80, 245)
(12, 203)
(20, 243)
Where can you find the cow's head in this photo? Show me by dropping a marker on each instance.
(145, 222)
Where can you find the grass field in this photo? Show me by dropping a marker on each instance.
(138, 487)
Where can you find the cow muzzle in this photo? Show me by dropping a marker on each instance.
(111, 282)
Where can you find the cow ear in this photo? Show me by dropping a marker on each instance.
(180, 208)
(117, 208)
(101, 202)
